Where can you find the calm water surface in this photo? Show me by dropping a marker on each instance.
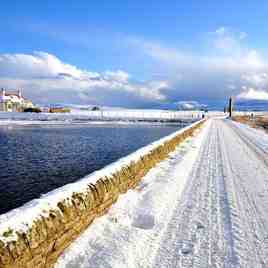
(35, 160)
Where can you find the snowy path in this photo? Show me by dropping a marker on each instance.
(206, 206)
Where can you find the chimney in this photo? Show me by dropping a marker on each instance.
(19, 93)
(3, 92)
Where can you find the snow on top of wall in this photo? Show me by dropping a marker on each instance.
(129, 235)
(20, 219)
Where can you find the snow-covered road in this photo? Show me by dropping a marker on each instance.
(205, 206)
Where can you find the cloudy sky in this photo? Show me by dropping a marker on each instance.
(132, 53)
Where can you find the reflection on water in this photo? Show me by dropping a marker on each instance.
(35, 160)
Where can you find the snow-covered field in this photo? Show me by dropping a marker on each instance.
(121, 116)
(205, 206)
(255, 113)
(93, 117)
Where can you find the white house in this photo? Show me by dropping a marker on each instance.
(13, 102)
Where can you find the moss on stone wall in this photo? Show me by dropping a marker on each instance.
(48, 236)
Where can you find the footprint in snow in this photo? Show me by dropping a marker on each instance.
(144, 221)
(200, 226)
(186, 248)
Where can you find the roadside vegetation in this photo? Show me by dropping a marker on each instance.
(253, 121)
(32, 110)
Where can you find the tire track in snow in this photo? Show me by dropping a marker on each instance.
(199, 234)
(221, 219)
(249, 225)
(215, 217)
(260, 152)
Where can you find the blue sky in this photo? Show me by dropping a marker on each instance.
(134, 53)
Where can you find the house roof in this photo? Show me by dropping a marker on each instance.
(15, 95)
(11, 97)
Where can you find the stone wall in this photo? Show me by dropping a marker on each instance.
(47, 237)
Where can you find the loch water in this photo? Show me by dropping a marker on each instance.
(37, 159)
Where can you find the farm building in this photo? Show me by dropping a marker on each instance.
(13, 101)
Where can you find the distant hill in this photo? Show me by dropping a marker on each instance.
(211, 105)
(251, 105)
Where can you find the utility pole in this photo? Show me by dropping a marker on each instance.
(230, 108)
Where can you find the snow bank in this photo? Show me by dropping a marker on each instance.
(51, 223)
(248, 113)
(127, 115)
(256, 136)
(103, 115)
(130, 233)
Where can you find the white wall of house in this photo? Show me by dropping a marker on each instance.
(12, 102)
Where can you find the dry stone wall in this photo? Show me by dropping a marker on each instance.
(42, 243)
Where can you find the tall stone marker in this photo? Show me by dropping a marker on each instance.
(230, 107)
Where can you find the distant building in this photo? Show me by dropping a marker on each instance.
(59, 110)
(95, 108)
(13, 101)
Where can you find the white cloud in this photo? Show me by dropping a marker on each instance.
(252, 94)
(215, 72)
(36, 65)
(46, 78)
(117, 75)
(224, 40)
(256, 79)
(220, 31)
(243, 35)
(220, 66)
(189, 105)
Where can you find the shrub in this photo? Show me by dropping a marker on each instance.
(32, 110)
